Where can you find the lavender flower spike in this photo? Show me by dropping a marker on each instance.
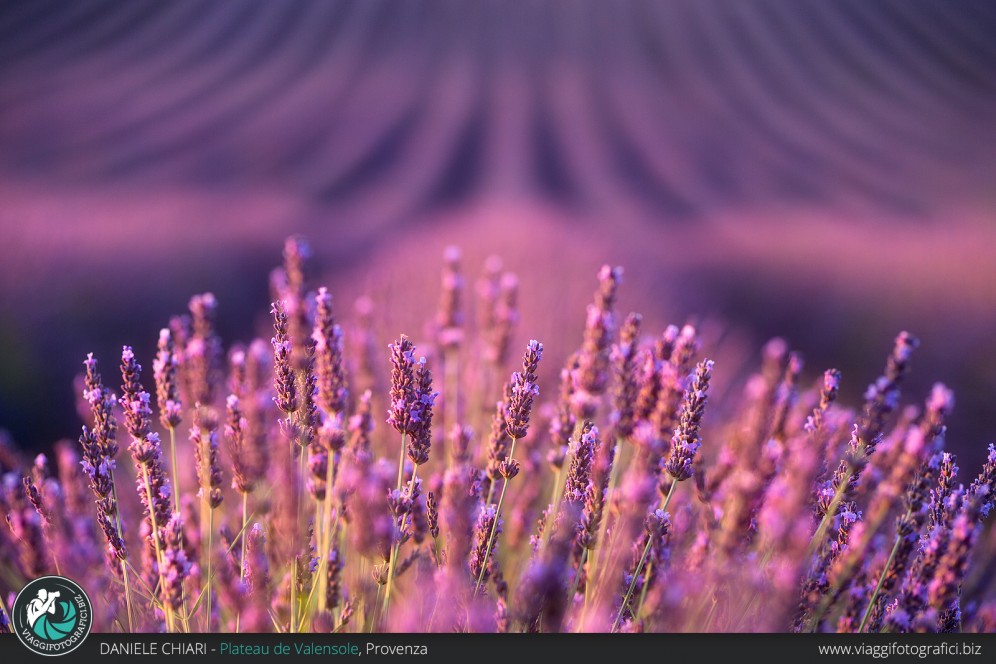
(175, 563)
(449, 317)
(255, 567)
(600, 327)
(399, 414)
(523, 391)
(153, 486)
(579, 475)
(167, 391)
(102, 402)
(828, 395)
(206, 455)
(488, 526)
(145, 446)
(624, 365)
(421, 415)
(329, 371)
(882, 396)
(286, 399)
(686, 442)
(244, 475)
(98, 467)
(984, 486)
(203, 353)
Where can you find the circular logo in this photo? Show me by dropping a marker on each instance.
(51, 615)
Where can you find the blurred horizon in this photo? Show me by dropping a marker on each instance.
(824, 172)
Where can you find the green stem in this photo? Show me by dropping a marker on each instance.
(763, 565)
(295, 598)
(612, 548)
(293, 594)
(395, 551)
(557, 494)
(632, 585)
(711, 615)
(821, 530)
(242, 558)
(124, 564)
(451, 415)
(494, 526)
(577, 575)
(245, 518)
(491, 539)
(209, 578)
(878, 586)
(491, 493)
(206, 520)
(401, 460)
(176, 471)
(511, 451)
(167, 609)
(639, 566)
(817, 541)
(589, 586)
(326, 528)
(609, 491)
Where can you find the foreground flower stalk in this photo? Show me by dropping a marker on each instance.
(522, 393)
(154, 486)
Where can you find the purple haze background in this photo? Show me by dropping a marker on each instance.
(821, 171)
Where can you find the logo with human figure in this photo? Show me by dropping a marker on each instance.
(52, 615)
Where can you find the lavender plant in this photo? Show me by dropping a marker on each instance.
(802, 513)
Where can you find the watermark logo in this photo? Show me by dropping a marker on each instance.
(52, 615)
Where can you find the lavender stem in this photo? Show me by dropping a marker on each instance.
(643, 559)
(170, 621)
(881, 582)
(176, 477)
(124, 565)
(393, 562)
(494, 526)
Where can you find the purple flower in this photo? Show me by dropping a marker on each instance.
(403, 411)
(420, 415)
(500, 312)
(479, 566)
(244, 475)
(828, 395)
(984, 485)
(674, 378)
(360, 426)
(167, 390)
(449, 317)
(152, 484)
(523, 391)
(624, 364)
(579, 475)
(498, 443)
(102, 404)
(286, 387)
(329, 370)
(204, 440)
(432, 514)
(175, 563)
(98, 468)
(882, 396)
(685, 442)
(600, 327)
(203, 354)
(255, 567)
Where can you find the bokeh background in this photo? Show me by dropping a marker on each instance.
(823, 171)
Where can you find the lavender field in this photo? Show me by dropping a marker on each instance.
(578, 317)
